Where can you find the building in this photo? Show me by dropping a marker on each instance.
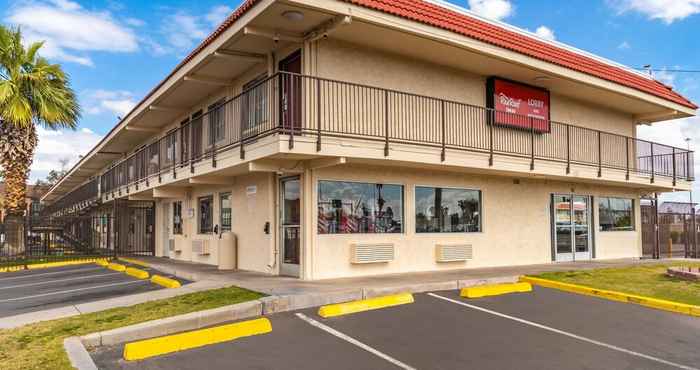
(350, 138)
(34, 194)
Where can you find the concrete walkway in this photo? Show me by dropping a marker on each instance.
(280, 285)
(290, 293)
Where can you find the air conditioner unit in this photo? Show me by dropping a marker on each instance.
(371, 253)
(453, 252)
(173, 247)
(201, 247)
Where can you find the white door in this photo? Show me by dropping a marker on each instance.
(571, 223)
(290, 226)
(167, 213)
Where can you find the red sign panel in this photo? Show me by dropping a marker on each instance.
(519, 105)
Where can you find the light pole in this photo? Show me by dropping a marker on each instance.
(692, 210)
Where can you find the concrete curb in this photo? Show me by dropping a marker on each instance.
(77, 354)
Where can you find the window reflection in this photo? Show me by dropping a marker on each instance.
(351, 208)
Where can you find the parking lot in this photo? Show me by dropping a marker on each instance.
(36, 290)
(544, 329)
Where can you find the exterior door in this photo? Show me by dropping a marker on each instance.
(571, 224)
(167, 213)
(290, 226)
(291, 92)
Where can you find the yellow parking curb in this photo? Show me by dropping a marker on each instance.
(165, 282)
(102, 263)
(12, 268)
(364, 305)
(660, 304)
(495, 289)
(63, 263)
(116, 267)
(179, 342)
(134, 262)
(139, 274)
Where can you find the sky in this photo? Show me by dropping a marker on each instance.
(117, 50)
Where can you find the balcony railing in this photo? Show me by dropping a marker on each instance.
(78, 199)
(298, 105)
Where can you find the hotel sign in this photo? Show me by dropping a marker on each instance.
(517, 105)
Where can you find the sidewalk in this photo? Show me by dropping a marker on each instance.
(286, 293)
(281, 286)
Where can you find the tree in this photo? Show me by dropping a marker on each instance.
(33, 92)
(54, 175)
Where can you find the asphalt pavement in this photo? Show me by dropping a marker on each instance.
(545, 329)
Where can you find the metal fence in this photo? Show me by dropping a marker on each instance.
(668, 235)
(122, 228)
(296, 105)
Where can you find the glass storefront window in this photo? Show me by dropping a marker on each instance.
(616, 214)
(440, 210)
(359, 208)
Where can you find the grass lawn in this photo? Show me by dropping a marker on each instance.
(40, 345)
(645, 280)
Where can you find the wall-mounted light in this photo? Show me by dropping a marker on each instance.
(293, 15)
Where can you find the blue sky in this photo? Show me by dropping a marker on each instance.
(117, 50)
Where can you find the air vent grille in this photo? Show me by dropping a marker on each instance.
(372, 253)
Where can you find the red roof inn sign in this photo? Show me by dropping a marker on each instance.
(518, 105)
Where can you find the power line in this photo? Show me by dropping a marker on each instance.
(669, 70)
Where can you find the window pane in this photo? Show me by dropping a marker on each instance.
(177, 218)
(205, 215)
(616, 214)
(351, 208)
(225, 212)
(440, 210)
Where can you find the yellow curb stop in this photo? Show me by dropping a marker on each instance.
(102, 263)
(63, 263)
(660, 304)
(179, 342)
(116, 267)
(495, 289)
(134, 262)
(12, 268)
(165, 282)
(139, 274)
(364, 305)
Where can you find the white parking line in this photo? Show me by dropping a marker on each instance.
(58, 281)
(72, 291)
(27, 276)
(354, 341)
(570, 335)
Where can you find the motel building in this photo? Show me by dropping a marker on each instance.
(326, 138)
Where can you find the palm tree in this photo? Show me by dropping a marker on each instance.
(33, 92)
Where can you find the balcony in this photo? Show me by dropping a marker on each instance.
(321, 109)
(77, 200)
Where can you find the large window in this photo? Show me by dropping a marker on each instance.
(177, 218)
(616, 214)
(440, 210)
(225, 207)
(254, 102)
(216, 121)
(353, 208)
(206, 214)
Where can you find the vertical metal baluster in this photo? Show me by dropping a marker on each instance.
(532, 144)
(568, 150)
(386, 123)
(318, 114)
(442, 107)
(600, 157)
(674, 165)
(652, 162)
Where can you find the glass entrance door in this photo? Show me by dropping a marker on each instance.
(290, 226)
(572, 227)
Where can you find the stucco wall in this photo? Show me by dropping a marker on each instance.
(516, 228)
(250, 211)
(349, 62)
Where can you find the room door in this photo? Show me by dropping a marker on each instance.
(290, 226)
(291, 92)
(571, 223)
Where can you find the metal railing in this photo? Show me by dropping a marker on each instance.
(294, 105)
(78, 199)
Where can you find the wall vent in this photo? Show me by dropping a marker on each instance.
(172, 246)
(372, 253)
(454, 252)
(201, 247)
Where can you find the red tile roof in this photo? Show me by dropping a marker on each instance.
(441, 17)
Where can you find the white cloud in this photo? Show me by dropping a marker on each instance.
(494, 9)
(217, 14)
(668, 11)
(545, 33)
(624, 45)
(118, 103)
(71, 31)
(55, 146)
(666, 77)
